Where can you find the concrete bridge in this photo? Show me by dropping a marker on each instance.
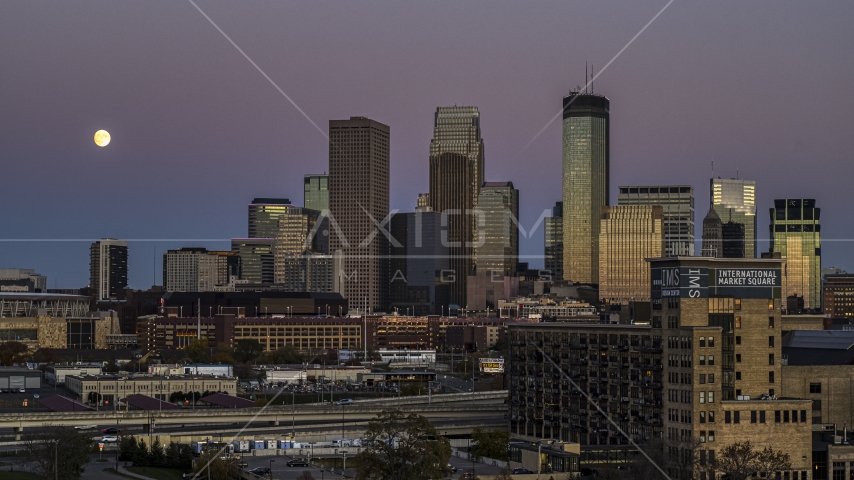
(465, 406)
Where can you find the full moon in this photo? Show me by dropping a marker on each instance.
(102, 138)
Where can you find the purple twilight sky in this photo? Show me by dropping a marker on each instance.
(759, 87)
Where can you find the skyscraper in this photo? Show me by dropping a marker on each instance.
(416, 284)
(359, 206)
(108, 268)
(302, 231)
(450, 196)
(586, 120)
(677, 202)
(197, 269)
(554, 242)
(796, 236)
(256, 259)
(712, 234)
(733, 240)
(264, 216)
(734, 200)
(316, 192)
(629, 234)
(498, 237)
(457, 130)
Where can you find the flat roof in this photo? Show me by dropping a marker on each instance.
(716, 260)
(227, 401)
(41, 296)
(144, 402)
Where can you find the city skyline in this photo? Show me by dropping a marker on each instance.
(161, 143)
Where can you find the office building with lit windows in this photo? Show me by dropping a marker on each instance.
(839, 295)
(586, 123)
(264, 216)
(796, 236)
(703, 374)
(197, 269)
(628, 235)
(734, 200)
(256, 259)
(677, 203)
(108, 268)
(316, 192)
(498, 237)
(553, 239)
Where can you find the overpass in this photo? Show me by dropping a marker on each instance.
(463, 407)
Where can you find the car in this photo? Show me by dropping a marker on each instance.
(260, 471)
(467, 476)
(110, 430)
(345, 401)
(297, 463)
(35, 395)
(21, 390)
(85, 427)
(242, 464)
(522, 471)
(109, 439)
(452, 468)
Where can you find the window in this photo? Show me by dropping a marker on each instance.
(815, 387)
(770, 304)
(702, 417)
(785, 416)
(736, 417)
(711, 378)
(711, 359)
(738, 340)
(711, 397)
(753, 416)
(727, 417)
(738, 357)
(711, 417)
(762, 416)
(770, 322)
(804, 416)
(702, 341)
(794, 416)
(711, 341)
(738, 375)
(771, 341)
(702, 359)
(737, 303)
(770, 377)
(771, 392)
(737, 322)
(702, 397)
(702, 436)
(711, 436)
(776, 416)
(770, 359)
(702, 378)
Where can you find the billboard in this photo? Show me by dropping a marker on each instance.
(701, 282)
(491, 365)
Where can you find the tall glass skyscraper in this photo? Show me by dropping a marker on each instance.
(498, 241)
(677, 203)
(554, 242)
(264, 216)
(586, 121)
(796, 236)
(734, 200)
(316, 192)
(457, 130)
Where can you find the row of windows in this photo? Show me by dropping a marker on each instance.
(780, 416)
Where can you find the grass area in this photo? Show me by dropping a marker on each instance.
(19, 476)
(158, 473)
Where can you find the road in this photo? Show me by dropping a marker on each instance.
(455, 382)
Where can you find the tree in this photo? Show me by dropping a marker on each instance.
(490, 444)
(305, 475)
(223, 354)
(127, 447)
(285, 355)
(197, 350)
(12, 353)
(247, 349)
(156, 455)
(210, 465)
(740, 460)
(57, 452)
(403, 447)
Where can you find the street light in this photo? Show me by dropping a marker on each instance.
(271, 469)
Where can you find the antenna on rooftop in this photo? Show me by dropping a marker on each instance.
(591, 78)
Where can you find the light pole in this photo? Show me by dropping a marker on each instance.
(293, 414)
(271, 469)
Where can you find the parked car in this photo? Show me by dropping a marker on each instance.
(297, 463)
(109, 439)
(522, 471)
(345, 401)
(260, 471)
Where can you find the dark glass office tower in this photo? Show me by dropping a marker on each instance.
(796, 236)
(264, 216)
(108, 268)
(316, 192)
(498, 238)
(586, 120)
(554, 242)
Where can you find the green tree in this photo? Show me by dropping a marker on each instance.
(12, 353)
(285, 355)
(403, 447)
(197, 350)
(57, 452)
(127, 447)
(223, 354)
(156, 455)
(140, 455)
(491, 444)
(247, 349)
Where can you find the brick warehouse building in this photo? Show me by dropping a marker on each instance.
(703, 373)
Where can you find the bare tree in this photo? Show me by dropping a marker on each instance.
(770, 461)
(740, 460)
(58, 452)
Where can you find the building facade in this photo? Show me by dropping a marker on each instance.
(108, 268)
(264, 216)
(677, 203)
(839, 295)
(111, 389)
(586, 123)
(712, 235)
(302, 234)
(497, 247)
(419, 264)
(734, 200)
(316, 192)
(197, 269)
(358, 194)
(733, 240)
(628, 235)
(256, 259)
(554, 242)
(14, 275)
(796, 235)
